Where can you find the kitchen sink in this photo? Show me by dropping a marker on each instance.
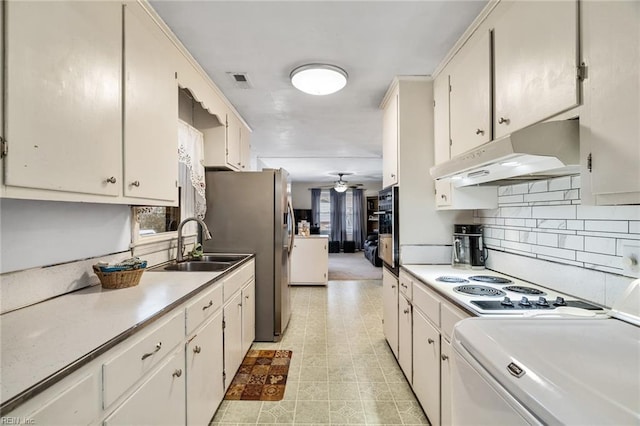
(209, 262)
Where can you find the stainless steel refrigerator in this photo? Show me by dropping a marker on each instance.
(250, 212)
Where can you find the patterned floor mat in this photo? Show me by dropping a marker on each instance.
(261, 377)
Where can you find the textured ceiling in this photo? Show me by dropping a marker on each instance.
(313, 136)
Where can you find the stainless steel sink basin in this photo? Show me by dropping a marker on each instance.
(195, 266)
(209, 262)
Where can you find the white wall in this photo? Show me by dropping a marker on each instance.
(42, 233)
(301, 193)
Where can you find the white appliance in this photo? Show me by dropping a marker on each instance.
(550, 369)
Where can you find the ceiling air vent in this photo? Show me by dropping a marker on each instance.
(240, 80)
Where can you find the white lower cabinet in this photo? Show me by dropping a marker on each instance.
(248, 315)
(390, 309)
(405, 331)
(426, 370)
(310, 260)
(232, 336)
(205, 383)
(433, 320)
(160, 400)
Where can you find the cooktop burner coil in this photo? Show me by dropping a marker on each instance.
(490, 279)
(449, 279)
(479, 290)
(524, 290)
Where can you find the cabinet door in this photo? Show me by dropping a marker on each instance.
(426, 372)
(390, 309)
(441, 117)
(405, 329)
(470, 98)
(445, 382)
(390, 142)
(63, 96)
(609, 126)
(150, 110)
(535, 62)
(233, 142)
(205, 385)
(245, 148)
(158, 401)
(248, 315)
(232, 336)
(309, 261)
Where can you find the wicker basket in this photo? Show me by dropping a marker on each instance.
(119, 279)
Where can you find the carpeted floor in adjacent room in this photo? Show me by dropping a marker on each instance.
(352, 266)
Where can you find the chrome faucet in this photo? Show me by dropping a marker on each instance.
(205, 231)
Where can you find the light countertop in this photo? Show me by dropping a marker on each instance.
(41, 340)
(299, 237)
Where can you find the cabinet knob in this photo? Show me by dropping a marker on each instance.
(479, 132)
(135, 183)
(503, 120)
(111, 180)
(247, 297)
(444, 357)
(148, 354)
(393, 286)
(177, 373)
(430, 341)
(444, 197)
(393, 175)
(197, 349)
(406, 311)
(208, 306)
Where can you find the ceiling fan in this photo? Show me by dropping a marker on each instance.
(341, 185)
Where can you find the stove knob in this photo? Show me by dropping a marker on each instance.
(542, 301)
(506, 301)
(524, 301)
(560, 301)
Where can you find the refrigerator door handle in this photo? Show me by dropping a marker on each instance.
(290, 228)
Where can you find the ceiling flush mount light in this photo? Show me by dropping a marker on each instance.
(318, 79)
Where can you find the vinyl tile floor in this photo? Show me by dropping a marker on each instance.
(342, 370)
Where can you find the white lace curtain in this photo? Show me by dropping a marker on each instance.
(191, 153)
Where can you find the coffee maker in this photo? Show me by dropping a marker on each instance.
(468, 251)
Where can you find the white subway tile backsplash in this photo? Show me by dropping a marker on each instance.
(599, 259)
(620, 244)
(511, 235)
(600, 245)
(509, 199)
(572, 242)
(609, 213)
(620, 226)
(555, 252)
(609, 234)
(515, 212)
(530, 223)
(634, 227)
(512, 245)
(544, 196)
(545, 239)
(552, 224)
(528, 237)
(561, 183)
(572, 194)
(554, 212)
(577, 225)
(515, 222)
(538, 186)
(575, 182)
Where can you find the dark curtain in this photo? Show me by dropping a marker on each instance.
(315, 206)
(338, 216)
(359, 219)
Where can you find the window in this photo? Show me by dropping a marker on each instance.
(325, 213)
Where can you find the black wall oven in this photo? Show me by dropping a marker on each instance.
(388, 244)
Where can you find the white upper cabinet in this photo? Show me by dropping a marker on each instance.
(535, 62)
(470, 97)
(390, 140)
(63, 96)
(233, 150)
(609, 124)
(150, 110)
(441, 117)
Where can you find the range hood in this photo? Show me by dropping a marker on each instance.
(539, 151)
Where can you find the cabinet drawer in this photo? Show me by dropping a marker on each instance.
(406, 285)
(450, 316)
(203, 307)
(130, 365)
(426, 302)
(236, 280)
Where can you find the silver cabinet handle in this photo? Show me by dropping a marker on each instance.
(197, 349)
(430, 341)
(479, 132)
(148, 354)
(444, 357)
(111, 180)
(503, 120)
(177, 373)
(208, 306)
(135, 183)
